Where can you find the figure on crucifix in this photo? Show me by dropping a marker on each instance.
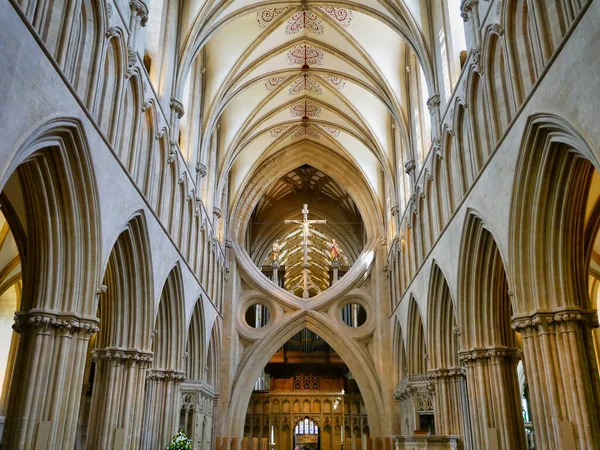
(306, 281)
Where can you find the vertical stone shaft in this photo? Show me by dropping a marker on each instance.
(162, 408)
(51, 357)
(118, 396)
(448, 401)
(562, 373)
(494, 396)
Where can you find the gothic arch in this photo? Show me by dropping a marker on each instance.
(441, 329)
(256, 357)
(417, 345)
(549, 229)
(489, 345)
(170, 324)
(50, 184)
(122, 352)
(196, 359)
(213, 357)
(485, 308)
(398, 352)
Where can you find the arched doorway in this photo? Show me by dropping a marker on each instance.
(306, 435)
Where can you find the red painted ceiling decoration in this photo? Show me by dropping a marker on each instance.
(266, 17)
(340, 15)
(306, 56)
(333, 131)
(305, 110)
(306, 131)
(279, 130)
(273, 82)
(304, 20)
(305, 83)
(338, 83)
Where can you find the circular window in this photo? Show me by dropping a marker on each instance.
(354, 315)
(257, 315)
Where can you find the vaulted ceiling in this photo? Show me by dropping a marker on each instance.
(329, 73)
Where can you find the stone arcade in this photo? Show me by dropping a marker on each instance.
(152, 151)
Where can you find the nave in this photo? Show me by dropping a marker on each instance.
(294, 225)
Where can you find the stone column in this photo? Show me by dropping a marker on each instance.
(448, 386)
(137, 19)
(335, 266)
(562, 373)
(43, 405)
(470, 14)
(162, 408)
(117, 398)
(275, 267)
(495, 407)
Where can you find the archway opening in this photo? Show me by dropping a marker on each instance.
(305, 258)
(306, 434)
(11, 287)
(307, 398)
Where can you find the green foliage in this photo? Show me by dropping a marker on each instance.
(180, 442)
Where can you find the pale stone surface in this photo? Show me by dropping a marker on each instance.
(132, 160)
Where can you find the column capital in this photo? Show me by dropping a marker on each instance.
(466, 7)
(43, 320)
(122, 355)
(480, 353)
(543, 318)
(201, 170)
(433, 104)
(452, 372)
(165, 375)
(139, 10)
(177, 107)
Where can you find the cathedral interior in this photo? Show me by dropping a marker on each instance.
(299, 224)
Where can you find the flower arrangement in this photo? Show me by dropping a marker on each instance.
(180, 442)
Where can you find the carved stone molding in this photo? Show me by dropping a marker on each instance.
(177, 106)
(164, 375)
(476, 59)
(43, 321)
(140, 11)
(173, 153)
(410, 166)
(112, 32)
(466, 7)
(453, 372)
(475, 354)
(433, 104)
(122, 354)
(541, 320)
(132, 58)
(201, 170)
(217, 212)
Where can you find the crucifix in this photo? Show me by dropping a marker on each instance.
(305, 232)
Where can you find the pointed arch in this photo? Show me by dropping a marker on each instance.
(254, 360)
(417, 346)
(50, 184)
(53, 187)
(485, 309)
(126, 309)
(170, 324)
(498, 80)
(196, 355)
(111, 82)
(399, 352)
(552, 182)
(213, 359)
(442, 325)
